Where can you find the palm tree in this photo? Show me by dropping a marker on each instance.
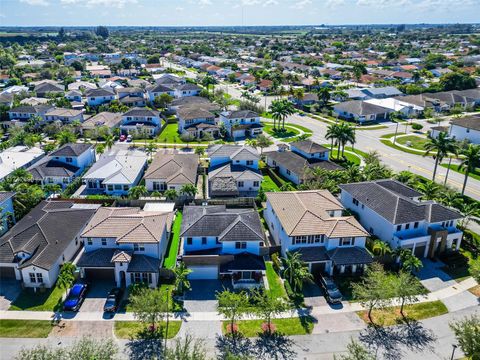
(381, 248)
(296, 271)
(188, 190)
(280, 109)
(170, 194)
(332, 134)
(451, 199)
(346, 134)
(66, 136)
(323, 95)
(109, 141)
(468, 211)
(442, 146)
(150, 149)
(138, 191)
(410, 262)
(429, 189)
(100, 149)
(66, 278)
(181, 278)
(470, 160)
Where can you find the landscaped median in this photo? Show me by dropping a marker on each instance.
(387, 139)
(291, 133)
(287, 326)
(136, 329)
(25, 328)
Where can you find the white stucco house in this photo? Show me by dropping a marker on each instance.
(241, 123)
(96, 97)
(141, 121)
(467, 128)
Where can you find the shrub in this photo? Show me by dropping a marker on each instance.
(417, 127)
(276, 262)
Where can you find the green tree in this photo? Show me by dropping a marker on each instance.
(232, 305)
(429, 189)
(457, 81)
(187, 348)
(267, 306)
(374, 290)
(66, 136)
(208, 81)
(296, 271)
(263, 142)
(150, 149)
(323, 95)
(441, 146)
(410, 262)
(470, 160)
(188, 190)
(467, 332)
(109, 141)
(181, 278)
(407, 289)
(162, 101)
(356, 351)
(66, 277)
(137, 192)
(381, 248)
(280, 109)
(102, 31)
(170, 194)
(149, 306)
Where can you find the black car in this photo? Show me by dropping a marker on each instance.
(332, 294)
(113, 300)
(75, 297)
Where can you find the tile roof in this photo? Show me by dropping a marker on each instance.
(360, 107)
(469, 122)
(142, 112)
(174, 168)
(307, 213)
(49, 167)
(309, 146)
(351, 255)
(234, 152)
(104, 118)
(72, 149)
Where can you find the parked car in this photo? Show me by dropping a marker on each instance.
(129, 138)
(332, 294)
(75, 297)
(113, 300)
(123, 137)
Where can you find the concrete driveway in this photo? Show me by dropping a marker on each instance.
(313, 295)
(432, 277)
(96, 296)
(202, 295)
(9, 291)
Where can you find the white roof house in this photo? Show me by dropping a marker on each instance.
(395, 105)
(18, 157)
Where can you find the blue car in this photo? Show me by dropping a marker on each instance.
(75, 297)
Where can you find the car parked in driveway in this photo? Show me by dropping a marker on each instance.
(123, 138)
(75, 297)
(332, 294)
(113, 300)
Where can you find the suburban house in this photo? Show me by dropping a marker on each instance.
(6, 210)
(312, 223)
(361, 111)
(233, 171)
(62, 166)
(45, 89)
(220, 242)
(157, 90)
(18, 157)
(125, 245)
(20, 115)
(295, 163)
(103, 119)
(197, 122)
(141, 121)
(99, 96)
(241, 123)
(186, 89)
(171, 171)
(131, 96)
(466, 128)
(66, 116)
(393, 212)
(115, 173)
(74, 95)
(34, 249)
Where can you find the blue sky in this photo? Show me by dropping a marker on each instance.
(234, 12)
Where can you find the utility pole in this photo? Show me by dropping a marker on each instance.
(395, 136)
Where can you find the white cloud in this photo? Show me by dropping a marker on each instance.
(382, 3)
(334, 3)
(301, 4)
(205, 2)
(270, 3)
(179, 8)
(36, 2)
(92, 3)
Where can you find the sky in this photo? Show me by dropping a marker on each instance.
(234, 12)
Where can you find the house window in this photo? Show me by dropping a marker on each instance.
(89, 241)
(468, 130)
(110, 187)
(204, 241)
(274, 163)
(318, 238)
(189, 241)
(104, 242)
(240, 184)
(249, 162)
(118, 187)
(66, 180)
(138, 247)
(33, 279)
(347, 241)
(300, 240)
(69, 159)
(288, 172)
(40, 278)
(125, 187)
(415, 225)
(407, 226)
(256, 183)
(240, 245)
(355, 202)
(399, 227)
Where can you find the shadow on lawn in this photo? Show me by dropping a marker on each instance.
(389, 341)
(146, 345)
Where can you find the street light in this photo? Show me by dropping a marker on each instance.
(453, 351)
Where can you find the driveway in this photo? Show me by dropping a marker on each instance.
(202, 296)
(96, 296)
(9, 291)
(313, 295)
(432, 277)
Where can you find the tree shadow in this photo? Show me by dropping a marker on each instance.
(274, 346)
(391, 341)
(235, 345)
(146, 345)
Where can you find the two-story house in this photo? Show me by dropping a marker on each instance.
(312, 223)
(96, 97)
(66, 116)
(393, 212)
(20, 115)
(116, 173)
(141, 121)
(34, 250)
(233, 171)
(186, 89)
(157, 90)
(217, 241)
(294, 164)
(171, 172)
(125, 245)
(131, 96)
(63, 165)
(241, 123)
(197, 122)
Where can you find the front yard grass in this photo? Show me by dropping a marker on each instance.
(391, 315)
(288, 326)
(415, 141)
(275, 284)
(172, 249)
(454, 167)
(49, 300)
(134, 329)
(25, 328)
(170, 135)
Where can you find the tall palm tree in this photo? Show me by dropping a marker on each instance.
(469, 162)
(323, 95)
(441, 146)
(189, 190)
(332, 134)
(109, 141)
(346, 135)
(280, 109)
(296, 271)
(138, 191)
(181, 278)
(381, 248)
(429, 189)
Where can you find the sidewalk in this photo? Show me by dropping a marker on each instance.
(346, 307)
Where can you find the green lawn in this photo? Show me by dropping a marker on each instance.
(25, 328)
(288, 326)
(172, 249)
(388, 136)
(170, 135)
(268, 184)
(289, 132)
(134, 329)
(415, 141)
(277, 289)
(350, 157)
(392, 316)
(49, 300)
(454, 167)
(369, 127)
(389, 143)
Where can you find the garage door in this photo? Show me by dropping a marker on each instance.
(100, 274)
(203, 272)
(7, 272)
(318, 269)
(420, 251)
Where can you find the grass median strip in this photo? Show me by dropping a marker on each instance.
(25, 328)
(135, 329)
(391, 315)
(454, 167)
(288, 326)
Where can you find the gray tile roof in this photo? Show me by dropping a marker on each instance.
(98, 92)
(226, 224)
(45, 232)
(313, 253)
(137, 111)
(246, 261)
(144, 263)
(469, 122)
(237, 152)
(54, 168)
(72, 149)
(309, 146)
(5, 195)
(174, 168)
(240, 114)
(392, 200)
(101, 258)
(349, 256)
(360, 107)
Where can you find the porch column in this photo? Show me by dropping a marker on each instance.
(342, 269)
(354, 268)
(459, 241)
